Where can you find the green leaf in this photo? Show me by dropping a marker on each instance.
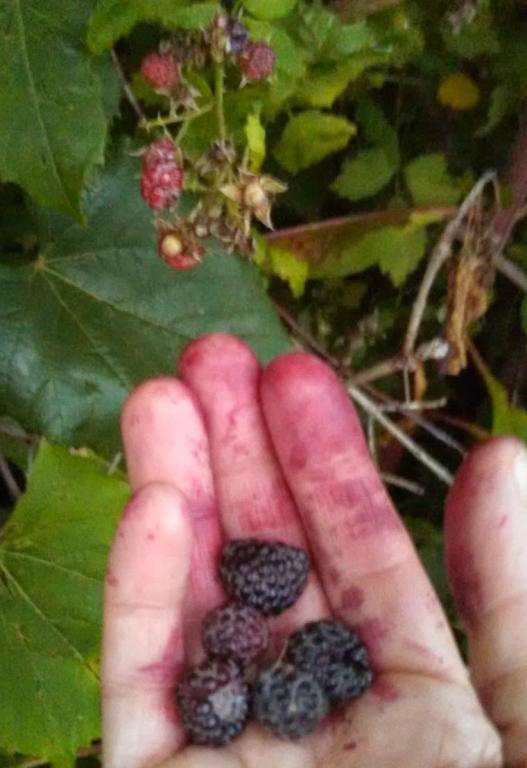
(309, 137)
(52, 123)
(430, 183)
(99, 311)
(269, 9)
(478, 38)
(324, 83)
(372, 169)
(347, 39)
(365, 174)
(53, 553)
(285, 265)
(113, 19)
(255, 133)
(506, 419)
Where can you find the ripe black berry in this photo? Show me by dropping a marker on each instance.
(235, 631)
(288, 702)
(213, 700)
(267, 575)
(334, 655)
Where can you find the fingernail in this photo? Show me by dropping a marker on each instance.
(519, 469)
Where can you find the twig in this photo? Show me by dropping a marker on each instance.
(369, 406)
(305, 336)
(114, 463)
(130, 95)
(9, 479)
(411, 415)
(373, 410)
(440, 255)
(402, 482)
(379, 370)
(515, 273)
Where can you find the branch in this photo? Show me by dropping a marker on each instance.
(369, 406)
(375, 412)
(440, 255)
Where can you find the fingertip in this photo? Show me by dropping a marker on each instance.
(298, 367)
(156, 394)
(214, 348)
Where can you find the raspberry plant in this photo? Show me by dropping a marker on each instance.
(356, 129)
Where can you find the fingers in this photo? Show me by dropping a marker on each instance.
(143, 631)
(252, 495)
(165, 441)
(486, 544)
(368, 565)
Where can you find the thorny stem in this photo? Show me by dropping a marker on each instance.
(184, 117)
(218, 93)
(127, 89)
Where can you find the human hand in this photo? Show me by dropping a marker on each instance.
(230, 451)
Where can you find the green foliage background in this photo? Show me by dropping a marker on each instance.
(353, 122)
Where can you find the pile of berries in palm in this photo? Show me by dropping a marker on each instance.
(322, 666)
(230, 195)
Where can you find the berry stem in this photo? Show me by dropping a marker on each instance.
(218, 92)
(185, 117)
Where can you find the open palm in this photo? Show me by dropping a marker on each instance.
(230, 451)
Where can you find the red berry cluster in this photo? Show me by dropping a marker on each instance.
(163, 174)
(231, 196)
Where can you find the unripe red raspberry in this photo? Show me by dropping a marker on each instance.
(162, 178)
(179, 252)
(160, 70)
(160, 151)
(257, 61)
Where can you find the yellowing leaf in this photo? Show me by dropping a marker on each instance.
(286, 265)
(396, 251)
(309, 137)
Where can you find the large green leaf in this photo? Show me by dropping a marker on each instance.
(99, 311)
(52, 558)
(113, 19)
(309, 137)
(52, 121)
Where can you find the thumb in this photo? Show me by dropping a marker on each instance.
(486, 547)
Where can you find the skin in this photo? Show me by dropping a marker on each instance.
(228, 450)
